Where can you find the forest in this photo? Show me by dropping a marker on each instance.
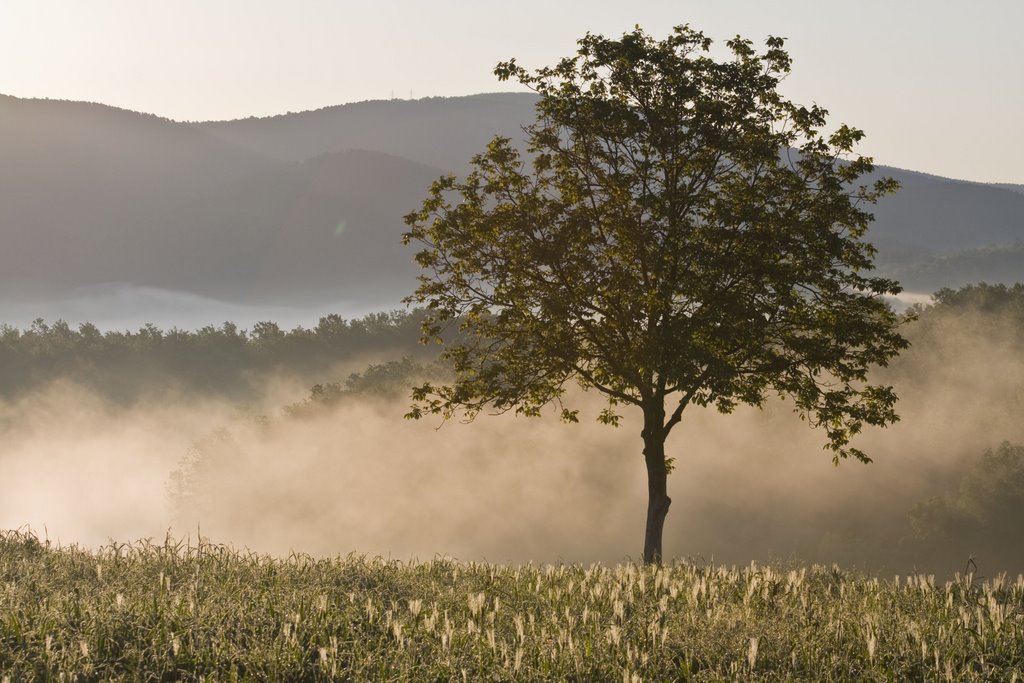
(936, 498)
(224, 361)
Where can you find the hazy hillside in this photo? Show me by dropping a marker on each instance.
(308, 206)
(91, 194)
(85, 189)
(442, 132)
(331, 223)
(931, 215)
(1009, 186)
(995, 263)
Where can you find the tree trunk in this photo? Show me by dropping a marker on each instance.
(658, 501)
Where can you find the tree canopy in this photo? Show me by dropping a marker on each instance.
(676, 233)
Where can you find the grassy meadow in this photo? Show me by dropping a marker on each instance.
(177, 611)
(171, 610)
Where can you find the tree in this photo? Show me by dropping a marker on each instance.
(985, 517)
(677, 233)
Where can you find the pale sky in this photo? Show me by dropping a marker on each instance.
(938, 85)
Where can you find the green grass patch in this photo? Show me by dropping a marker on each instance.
(174, 611)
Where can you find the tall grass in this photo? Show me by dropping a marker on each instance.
(170, 611)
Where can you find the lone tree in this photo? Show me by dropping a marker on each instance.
(677, 233)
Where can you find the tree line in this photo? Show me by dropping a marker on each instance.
(220, 360)
(970, 515)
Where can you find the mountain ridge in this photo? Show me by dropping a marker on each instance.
(309, 205)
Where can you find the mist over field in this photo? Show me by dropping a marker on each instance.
(283, 218)
(300, 381)
(354, 476)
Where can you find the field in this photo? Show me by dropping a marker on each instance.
(177, 611)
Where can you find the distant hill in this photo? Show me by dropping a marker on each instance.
(931, 215)
(993, 264)
(86, 189)
(1009, 186)
(91, 194)
(309, 206)
(439, 131)
(300, 230)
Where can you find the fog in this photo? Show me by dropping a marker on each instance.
(905, 300)
(128, 306)
(357, 477)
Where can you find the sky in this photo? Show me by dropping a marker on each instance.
(938, 85)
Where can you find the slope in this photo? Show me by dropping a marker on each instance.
(288, 208)
(438, 131)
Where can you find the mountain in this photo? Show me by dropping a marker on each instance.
(1009, 186)
(91, 195)
(931, 216)
(85, 189)
(438, 131)
(308, 207)
(300, 230)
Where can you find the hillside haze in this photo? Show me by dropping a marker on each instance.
(441, 132)
(306, 209)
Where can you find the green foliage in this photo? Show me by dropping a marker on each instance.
(996, 262)
(989, 313)
(389, 380)
(678, 232)
(213, 360)
(176, 611)
(985, 517)
(998, 299)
